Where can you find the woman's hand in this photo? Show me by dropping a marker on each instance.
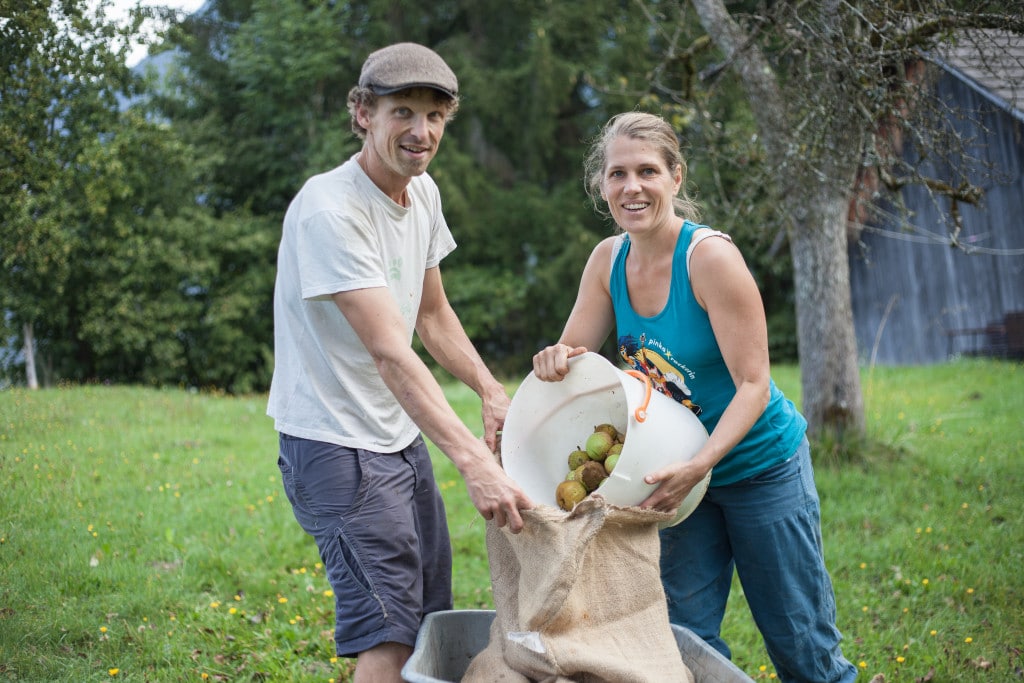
(674, 483)
(552, 364)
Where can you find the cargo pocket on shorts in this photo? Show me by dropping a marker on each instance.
(360, 610)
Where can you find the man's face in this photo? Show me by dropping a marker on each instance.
(403, 133)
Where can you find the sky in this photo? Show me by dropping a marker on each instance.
(118, 10)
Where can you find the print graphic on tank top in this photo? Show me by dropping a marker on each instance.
(665, 375)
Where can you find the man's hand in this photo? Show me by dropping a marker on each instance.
(494, 494)
(495, 409)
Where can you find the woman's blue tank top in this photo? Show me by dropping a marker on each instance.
(677, 349)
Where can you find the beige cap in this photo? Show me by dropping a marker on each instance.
(407, 65)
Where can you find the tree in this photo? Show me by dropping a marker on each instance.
(820, 79)
(113, 266)
(60, 72)
(167, 294)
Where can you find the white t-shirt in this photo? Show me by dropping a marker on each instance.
(341, 233)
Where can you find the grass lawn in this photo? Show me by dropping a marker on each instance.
(145, 536)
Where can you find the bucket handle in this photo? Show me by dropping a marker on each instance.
(641, 412)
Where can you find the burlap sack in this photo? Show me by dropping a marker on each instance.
(578, 597)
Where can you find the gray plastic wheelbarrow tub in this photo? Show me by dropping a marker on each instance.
(448, 641)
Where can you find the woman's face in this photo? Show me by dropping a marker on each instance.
(637, 185)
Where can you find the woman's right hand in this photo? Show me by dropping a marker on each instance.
(552, 364)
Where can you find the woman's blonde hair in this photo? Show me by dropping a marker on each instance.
(639, 126)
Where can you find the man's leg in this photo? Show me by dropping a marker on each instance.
(382, 664)
(358, 505)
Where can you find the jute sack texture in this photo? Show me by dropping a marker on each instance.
(578, 597)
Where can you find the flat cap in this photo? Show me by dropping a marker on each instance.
(407, 65)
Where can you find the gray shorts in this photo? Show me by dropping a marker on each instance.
(380, 525)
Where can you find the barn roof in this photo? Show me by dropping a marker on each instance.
(991, 61)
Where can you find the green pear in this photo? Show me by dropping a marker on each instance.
(609, 429)
(577, 458)
(611, 461)
(598, 445)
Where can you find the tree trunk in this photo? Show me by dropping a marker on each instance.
(832, 399)
(30, 357)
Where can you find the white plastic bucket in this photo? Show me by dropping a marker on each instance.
(548, 420)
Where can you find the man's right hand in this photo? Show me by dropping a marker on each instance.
(494, 494)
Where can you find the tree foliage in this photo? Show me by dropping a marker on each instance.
(141, 218)
(60, 76)
(265, 84)
(110, 260)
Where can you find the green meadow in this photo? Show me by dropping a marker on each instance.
(145, 536)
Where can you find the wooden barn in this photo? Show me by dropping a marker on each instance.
(929, 292)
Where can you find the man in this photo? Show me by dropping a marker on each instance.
(357, 273)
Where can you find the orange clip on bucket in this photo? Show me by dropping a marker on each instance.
(641, 412)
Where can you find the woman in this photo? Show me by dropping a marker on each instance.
(687, 312)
